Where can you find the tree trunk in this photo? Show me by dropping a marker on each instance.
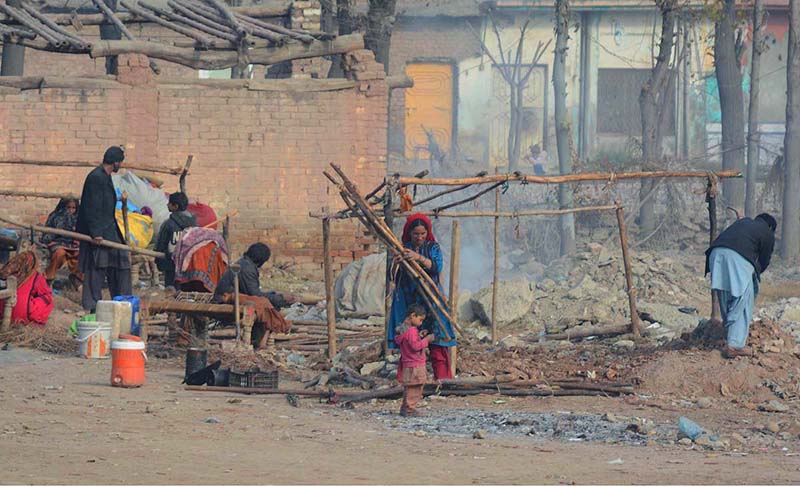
(790, 242)
(563, 132)
(110, 32)
(731, 102)
(345, 25)
(753, 135)
(380, 20)
(652, 104)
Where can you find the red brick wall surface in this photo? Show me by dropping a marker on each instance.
(261, 152)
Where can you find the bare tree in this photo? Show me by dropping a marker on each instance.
(653, 104)
(380, 22)
(753, 134)
(728, 48)
(515, 73)
(563, 127)
(790, 242)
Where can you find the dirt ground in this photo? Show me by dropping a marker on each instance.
(62, 423)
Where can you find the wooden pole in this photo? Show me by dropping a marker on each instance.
(327, 260)
(513, 214)
(10, 296)
(225, 218)
(184, 172)
(125, 217)
(28, 162)
(711, 199)
(33, 194)
(636, 326)
(479, 214)
(455, 258)
(447, 191)
(567, 178)
(259, 390)
(496, 274)
(85, 238)
(388, 216)
(235, 268)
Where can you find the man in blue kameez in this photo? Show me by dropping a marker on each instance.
(736, 260)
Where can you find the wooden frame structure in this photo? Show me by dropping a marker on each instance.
(391, 185)
(216, 36)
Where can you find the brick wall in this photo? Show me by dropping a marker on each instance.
(419, 39)
(261, 152)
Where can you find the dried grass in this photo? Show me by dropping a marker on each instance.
(48, 339)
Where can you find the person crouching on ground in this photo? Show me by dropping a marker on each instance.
(63, 250)
(268, 318)
(736, 260)
(412, 372)
(169, 234)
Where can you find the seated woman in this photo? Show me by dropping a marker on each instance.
(63, 250)
(268, 318)
(421, 246)
(201, 258)
(34, 296)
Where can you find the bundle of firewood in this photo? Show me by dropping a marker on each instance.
(359, 206)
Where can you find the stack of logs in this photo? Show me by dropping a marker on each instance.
(429, 290)
(306, 337)
(449, 387)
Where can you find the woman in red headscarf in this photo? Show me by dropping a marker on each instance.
(421, 246)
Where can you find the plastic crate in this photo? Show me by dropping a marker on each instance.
(254, 378)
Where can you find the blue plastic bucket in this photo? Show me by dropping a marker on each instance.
(134, 300)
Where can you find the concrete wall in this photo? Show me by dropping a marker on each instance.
(605, 39)
(261, 152)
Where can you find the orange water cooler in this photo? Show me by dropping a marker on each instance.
(127, 361)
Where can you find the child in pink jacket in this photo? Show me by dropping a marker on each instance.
(412, 371)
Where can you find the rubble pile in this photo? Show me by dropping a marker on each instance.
(786, 312)
(589, 288)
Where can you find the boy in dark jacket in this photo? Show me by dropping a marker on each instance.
(736, 260)
(169, 234)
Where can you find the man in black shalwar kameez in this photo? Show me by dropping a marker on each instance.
(96, 219)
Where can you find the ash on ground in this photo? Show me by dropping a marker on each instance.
(568, 427)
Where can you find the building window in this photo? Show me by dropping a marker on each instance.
(618, 109)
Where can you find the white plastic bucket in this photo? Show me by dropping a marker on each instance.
(94, 338)
(116, 313)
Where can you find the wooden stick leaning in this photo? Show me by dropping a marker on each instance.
(427, 294)
(385, 231)
(85, 238)
(636, 326)
(199, 38)
(232, 213)
(74, 40)
(100, 4)
(469, 198)
(448, 191)
(430, 289)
